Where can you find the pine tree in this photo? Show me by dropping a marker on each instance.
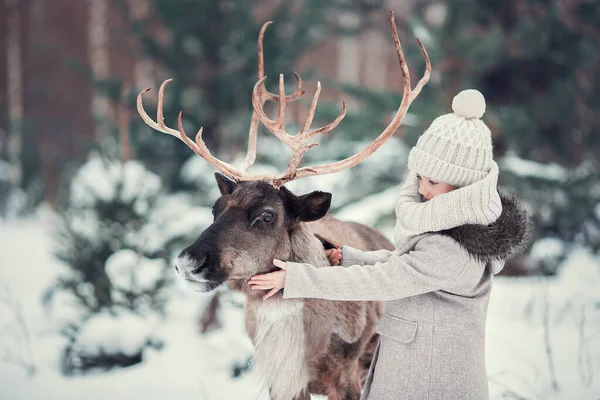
(118, 236)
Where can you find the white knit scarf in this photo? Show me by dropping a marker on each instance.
(478, 203)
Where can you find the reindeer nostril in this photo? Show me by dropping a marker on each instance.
(201, 264)
(176, 268)
(197, 270)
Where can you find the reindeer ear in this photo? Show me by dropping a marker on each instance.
(313, 206)
(309, 207)
(226, 185)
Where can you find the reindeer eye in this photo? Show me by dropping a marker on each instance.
(267, 216)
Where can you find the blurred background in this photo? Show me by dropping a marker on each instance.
(94, 204)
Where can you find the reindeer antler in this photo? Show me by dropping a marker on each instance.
(264, 95)
(199, 147)
(298, 143)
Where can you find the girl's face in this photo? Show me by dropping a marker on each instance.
(428, 188)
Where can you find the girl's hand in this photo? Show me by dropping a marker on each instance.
(334, 255)
(273, 280)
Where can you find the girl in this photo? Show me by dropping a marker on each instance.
(453, 233)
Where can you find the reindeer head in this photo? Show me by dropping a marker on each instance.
(253, 223)
(255, 214)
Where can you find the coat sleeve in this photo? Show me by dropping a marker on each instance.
(434, 263)
(353, 256)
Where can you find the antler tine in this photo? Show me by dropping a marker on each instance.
(425, 78)
(159, 125)
(311, 113)
(311, 110)
(261, 57)
(332, 125)
(199, 147)
(264, 95)
(290, 97)
(277, 127)
(407, 98)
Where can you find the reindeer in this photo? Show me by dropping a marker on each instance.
(302, 346)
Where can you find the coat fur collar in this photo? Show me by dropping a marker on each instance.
(508, 236)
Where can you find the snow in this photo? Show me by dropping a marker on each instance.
(125, 333)
(15, 203)
(532, 169)
(544, 330)
(581, 270)
(13, 200)
(527, 316)
(86, 224)
(371, 209)
(100, 178)
(199, 173)
(129, 270)
(66, 309)
(173, 216)
(375, 210)
(389, 159)
(547, 248)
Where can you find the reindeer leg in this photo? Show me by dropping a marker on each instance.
(209, 319)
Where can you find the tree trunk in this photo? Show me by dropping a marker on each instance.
(3, 81)
(124, 117)
(15, 89)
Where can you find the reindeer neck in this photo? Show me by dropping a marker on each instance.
(305, 247)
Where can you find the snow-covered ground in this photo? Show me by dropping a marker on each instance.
(543, 338)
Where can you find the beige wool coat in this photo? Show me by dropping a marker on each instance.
(437, 288)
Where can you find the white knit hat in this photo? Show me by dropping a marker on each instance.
(457, 148)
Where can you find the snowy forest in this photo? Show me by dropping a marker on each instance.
(95, 205)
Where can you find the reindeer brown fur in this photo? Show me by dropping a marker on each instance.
(302, 346)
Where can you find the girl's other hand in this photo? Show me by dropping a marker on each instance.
(334, 255)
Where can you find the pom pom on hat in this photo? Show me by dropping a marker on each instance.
(469, 103)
